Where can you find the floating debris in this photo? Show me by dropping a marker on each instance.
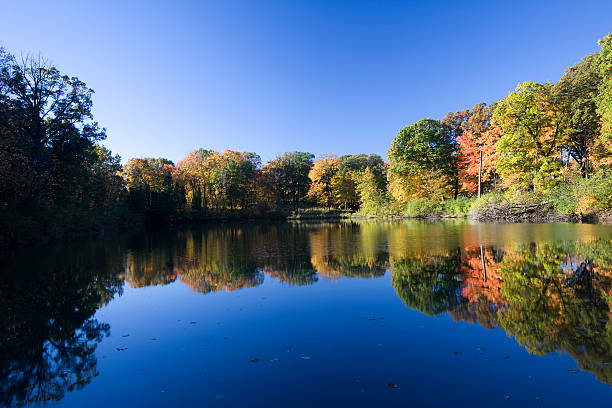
(507, 357)
(392, 385)
(226, 338)
(571, 370)
(273, 360)
(192, 322)
(305, 358)
(254, 360)
(455, 352)
(126, 335)
(121, 348)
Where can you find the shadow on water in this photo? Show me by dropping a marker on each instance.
(548, 286)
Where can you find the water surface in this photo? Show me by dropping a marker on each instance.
(343, 314)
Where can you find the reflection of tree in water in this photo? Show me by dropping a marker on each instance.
(349, 250)
(48, 336)
(558, 298)
(428, 282)
(480, 287)
(217, 259)
(150, 261)
(549, 296)
(284, 253)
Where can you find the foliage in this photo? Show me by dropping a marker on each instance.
(531, 121)
(603, 144)
(50, 162)
(289, 177)
(422, 162)
(474, 134)
(321, 175)
(577, 89)
(583, 196)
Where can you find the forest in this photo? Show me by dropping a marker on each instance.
(547, 144)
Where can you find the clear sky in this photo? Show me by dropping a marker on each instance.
(274, 76)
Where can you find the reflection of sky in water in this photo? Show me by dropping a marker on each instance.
(289, 316)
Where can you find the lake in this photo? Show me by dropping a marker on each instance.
(404, 313)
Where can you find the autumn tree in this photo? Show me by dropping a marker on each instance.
(422, 162)
(474, 135)
(531, 120)
(289, 174)
(321, 175)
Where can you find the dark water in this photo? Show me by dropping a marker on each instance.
(347, 314)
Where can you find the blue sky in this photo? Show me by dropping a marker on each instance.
(274, 76)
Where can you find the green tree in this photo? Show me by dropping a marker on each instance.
(289, 174)
(603, 145)
(422, 162)
(577, 89)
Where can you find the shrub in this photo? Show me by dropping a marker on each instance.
(459, 207)
(422, 207)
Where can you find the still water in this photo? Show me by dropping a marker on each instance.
(286, 315)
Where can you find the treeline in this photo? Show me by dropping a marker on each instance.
(543, 142)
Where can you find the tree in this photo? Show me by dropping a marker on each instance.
(56, 131)
(321, 175)
(603, 144)
(374, 199)
(422, 162)
(577, 89)
(474, 134)
(195, 173)
(289, 173)
(531, 120)
(151, 184)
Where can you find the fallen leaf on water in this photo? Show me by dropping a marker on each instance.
(572, 370)
(305, 358)
(392, 385)
(254, 360)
